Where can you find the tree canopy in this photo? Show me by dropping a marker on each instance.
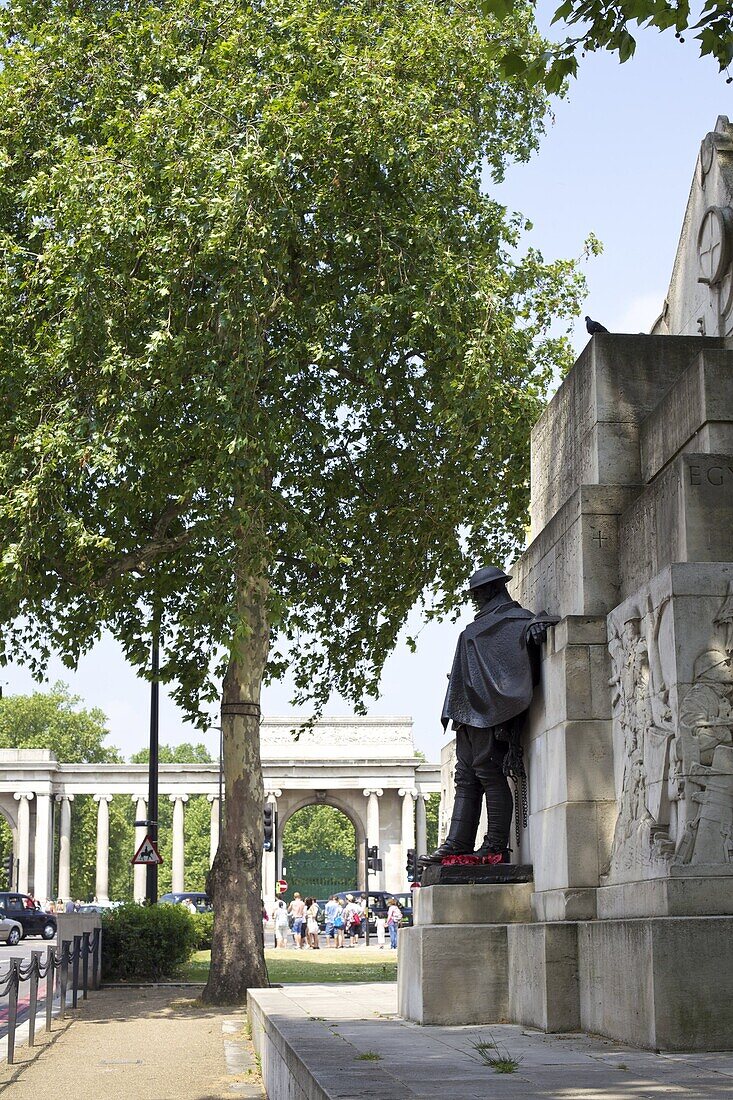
(270, 353)
(605, 25)
(256, 309)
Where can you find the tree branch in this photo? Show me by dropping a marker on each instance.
(138, 561)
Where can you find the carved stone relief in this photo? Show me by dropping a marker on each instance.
(676, 782)
(714, 253)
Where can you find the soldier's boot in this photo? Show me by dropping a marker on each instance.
(463, 825)
(490, 847)
(499, 808)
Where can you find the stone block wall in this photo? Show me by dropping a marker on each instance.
(632, 518)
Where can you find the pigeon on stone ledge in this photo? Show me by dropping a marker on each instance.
(594, 327)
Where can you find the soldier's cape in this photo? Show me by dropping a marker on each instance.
(493, 670)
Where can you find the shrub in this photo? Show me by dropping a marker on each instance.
(204, 926)
(146, 943)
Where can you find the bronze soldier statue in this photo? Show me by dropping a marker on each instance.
(490, 688)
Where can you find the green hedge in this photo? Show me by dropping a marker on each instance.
(146, 943)
(204, 926)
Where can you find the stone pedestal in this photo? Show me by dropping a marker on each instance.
(543, 976)
(665, 983)
(453, 963)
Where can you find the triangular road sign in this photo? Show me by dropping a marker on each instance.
(147, 853)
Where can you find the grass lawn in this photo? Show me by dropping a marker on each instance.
(327, 965)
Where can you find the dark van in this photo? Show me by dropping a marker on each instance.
(21, 907)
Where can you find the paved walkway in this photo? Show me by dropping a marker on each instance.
(349, 1041)
(158, 1044)
(150, 1043)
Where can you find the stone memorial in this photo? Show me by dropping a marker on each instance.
(627, 927)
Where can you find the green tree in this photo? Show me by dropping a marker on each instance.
(432, 821)
(55, 720)
(270, 354)
(604, 25)
(319, 829)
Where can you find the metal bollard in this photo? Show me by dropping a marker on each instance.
(33, 1002)
(64, 977)
(96, 960)
(15, 964)
(75, 971)
(85, 965)
(50, 973)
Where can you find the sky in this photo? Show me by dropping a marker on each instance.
(617, 161)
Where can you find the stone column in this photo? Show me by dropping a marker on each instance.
(178, 867)
(421, 842)
(408, 795)
(102, 879)
(139, 872)
(213, 826)
(42, 849)
(24, 838)
(64, 891)
(373, 796)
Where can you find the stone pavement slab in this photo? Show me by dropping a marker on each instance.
(313, 1038)
(150, 1043)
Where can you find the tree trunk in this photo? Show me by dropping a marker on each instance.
(235, 879)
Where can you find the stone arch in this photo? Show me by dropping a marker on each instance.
(347, 809)
(9, 811)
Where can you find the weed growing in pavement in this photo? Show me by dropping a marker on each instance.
(369, 1056)
(495, 1056)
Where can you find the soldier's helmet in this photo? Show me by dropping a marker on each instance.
(487, 575)
(713, 666)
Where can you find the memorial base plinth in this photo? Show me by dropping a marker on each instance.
(543, 976)
(686, 892)
(456, 874)
(477, 903)
(453, 974)
(453, 966)
(665, 983)
(474, 956)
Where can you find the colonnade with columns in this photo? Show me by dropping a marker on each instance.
(384, 799)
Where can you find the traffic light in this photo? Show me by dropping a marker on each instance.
(374, 863)
(8, 869)
(413, 871)
(268, 821)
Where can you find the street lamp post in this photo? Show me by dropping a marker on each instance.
(151, 871)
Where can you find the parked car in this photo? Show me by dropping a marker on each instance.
(33, 920)
(11, 931)
(200, 900)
